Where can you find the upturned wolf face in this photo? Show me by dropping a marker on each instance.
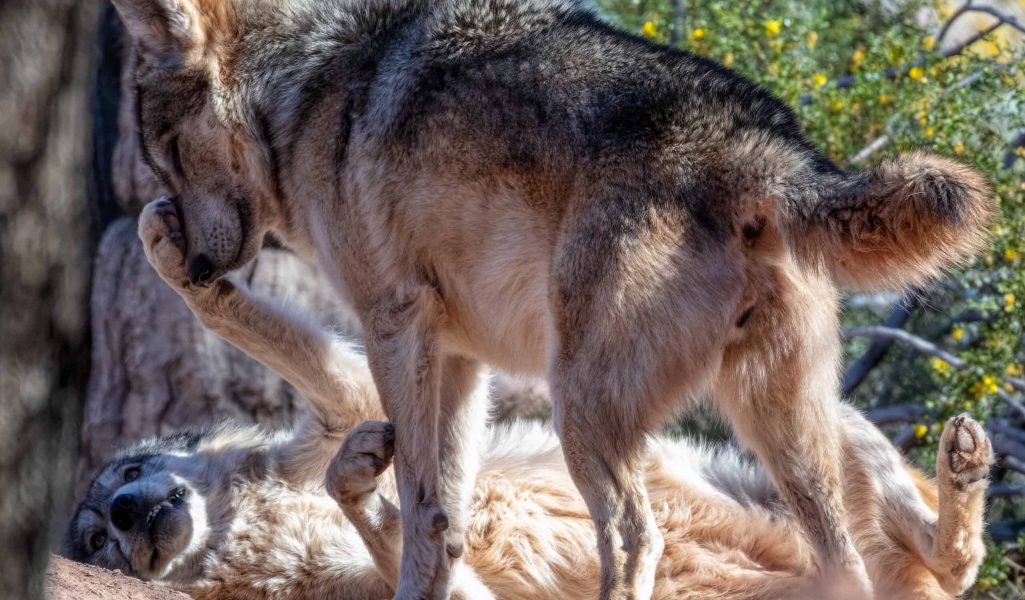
(142, 515)
(193, 135)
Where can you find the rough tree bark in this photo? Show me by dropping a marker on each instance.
(45, 72)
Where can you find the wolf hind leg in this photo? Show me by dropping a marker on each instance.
(603, 453)
(962, 467)
(779, 388)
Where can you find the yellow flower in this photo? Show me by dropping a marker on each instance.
(773, 69)
(967, 405)
(958, 333)
(858, 57)
(939, 365)
(929, 132)
(884, 99)
(837, 105)
(813, 38)
(987, 385)
(1015, 370)
(922, 119)
(1020, 151)
(988, 48)
(648, 29)
(959, 148)
(1008, 302)
(921, 430)
(697, 34)
(728, 59)
(916, 73)
(820, 79)
(929, 42)
(773, 27)
(1011, 254)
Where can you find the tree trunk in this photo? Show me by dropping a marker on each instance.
(45, 70)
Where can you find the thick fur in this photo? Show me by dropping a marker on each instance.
(262, 523)
(514, 182)
(904, 222)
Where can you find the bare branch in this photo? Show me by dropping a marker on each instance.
(1012, 463)
(919, 344)
(898, 317)
(906, 439)
(899, 413)
(1005, 531)
(1004, 490)
(957, 14)
(1010, 156)
(677, 12)
(1001, 427)
(1012, 401)
(873, 146)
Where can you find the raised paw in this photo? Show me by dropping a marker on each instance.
(160, 230)
(365, 454)
(966, 449)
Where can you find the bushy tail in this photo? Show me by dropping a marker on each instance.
(900, 224)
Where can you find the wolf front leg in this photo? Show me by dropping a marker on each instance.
(352, 480)
(327, 371)
(407, 362)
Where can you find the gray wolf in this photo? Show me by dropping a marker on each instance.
(240, 512)
(516, 183)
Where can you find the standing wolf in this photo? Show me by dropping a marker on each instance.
(514, 182)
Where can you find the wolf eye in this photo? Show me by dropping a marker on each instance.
(132, 473)
(97, 540)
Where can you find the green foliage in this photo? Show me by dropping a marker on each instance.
(969, 105)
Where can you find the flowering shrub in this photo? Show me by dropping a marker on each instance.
(866, 82)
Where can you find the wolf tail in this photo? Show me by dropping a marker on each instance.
(899, 224)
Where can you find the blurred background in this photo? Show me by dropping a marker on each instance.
(95, 352)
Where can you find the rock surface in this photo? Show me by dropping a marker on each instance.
(68, 580)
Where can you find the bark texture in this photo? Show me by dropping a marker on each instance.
(45, 72)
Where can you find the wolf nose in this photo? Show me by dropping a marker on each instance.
(123, 511)
(200, 270)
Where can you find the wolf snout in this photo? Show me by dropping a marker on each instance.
(201, 270)
(124, 511)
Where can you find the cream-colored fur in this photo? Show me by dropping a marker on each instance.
(726, 532)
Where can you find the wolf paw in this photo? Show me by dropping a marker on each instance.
(967, 450)
(160, 230)
(365, 454)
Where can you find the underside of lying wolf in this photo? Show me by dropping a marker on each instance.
(239, 512)
(515, 182)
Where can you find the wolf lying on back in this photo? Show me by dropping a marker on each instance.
(515, 182)
(238, 512)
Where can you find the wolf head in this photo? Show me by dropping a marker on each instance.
(194, 132)
(143, 513)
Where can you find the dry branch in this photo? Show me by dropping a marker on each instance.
(920, 344)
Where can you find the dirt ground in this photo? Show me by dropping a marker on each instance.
(67, 580)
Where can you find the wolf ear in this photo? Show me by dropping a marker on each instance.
(163, 29)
